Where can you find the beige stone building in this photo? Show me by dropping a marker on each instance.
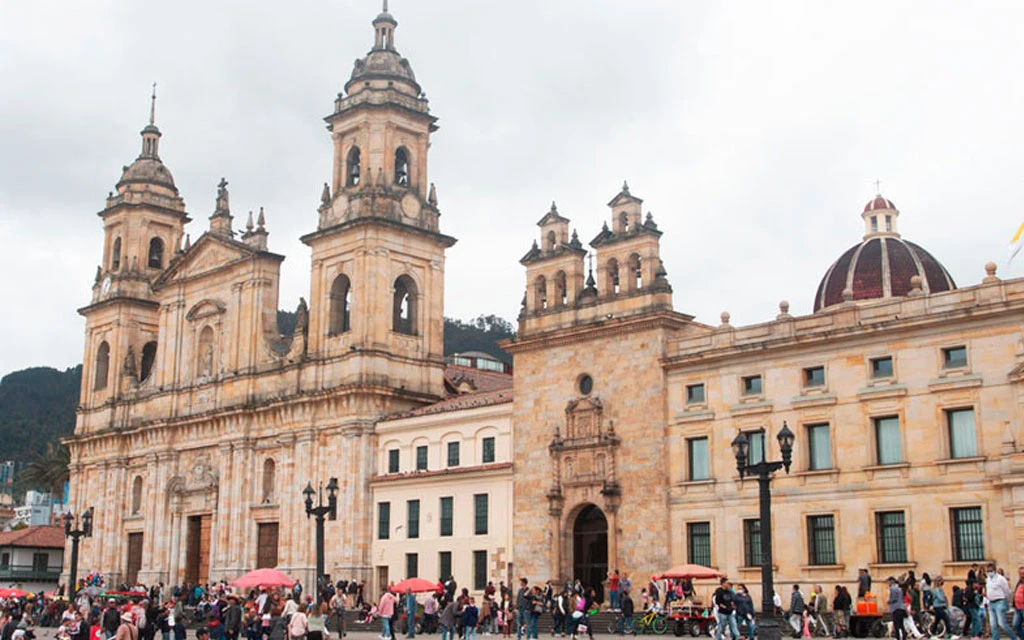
(199, 424)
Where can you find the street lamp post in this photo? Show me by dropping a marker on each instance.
(84, 531)
(768, 629)
(331, 511)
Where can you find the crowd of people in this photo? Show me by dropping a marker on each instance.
(916, 606)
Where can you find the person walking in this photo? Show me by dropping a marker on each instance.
(725, 610)
(298, 625)
(559, 609)
(522, 607)
(897, 609)
(386, 611)
(997, 590)
(745, 610)
(940, 605)
(447, 621)
(842, 603)
(470, 618)
(317, 622)
(411, 608)
(626, 620)
(796, 611)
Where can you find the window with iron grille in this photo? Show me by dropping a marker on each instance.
(421, 458)
(752, 542)
(892, 536)
(698, 543)
(447, 516)
(488, 453)
(384, 521)
(480, 514)
(412, 565)
(393, 461)
(444, 563)
(479, 570)
(453, 454)
(821, 540)
(968, 535)
(412, 526)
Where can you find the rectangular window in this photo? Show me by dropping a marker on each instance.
(412, 525)
(412, 565)
(968, 539)
(954, 358)
(888, 223)
(447, 515)
(881, 367)
(752, 542)
(453, 454)
(821, 540)
(421, 458)
(480, 514)
(487, 455)
(5, 560)
(752, 385)
(819, 443)
(892, 536)
(755, 453)
(444, 565)
(887, 440)
(384, 521)
(392, 460)
(814, 377)
(40, 561)
(874, 224)
(962, 443)
(479, 570)
(695, 394)
(698, 543)
(697, 449)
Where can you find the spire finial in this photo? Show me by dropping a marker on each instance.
(248, 224)
(554, 207)
(261, 221)
(152, 106)
(625, 187)
(385, 10)
(878, 186)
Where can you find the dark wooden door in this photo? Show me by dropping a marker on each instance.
(192, 550)
(266, 545)
(205, 528)
(134, 557)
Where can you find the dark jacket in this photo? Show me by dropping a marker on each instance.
(842, 602)
(111, 620)
(523, 600)
(470, 616)
(233, 618)
(724, 600)
(796, 603)
(627, 606)
(744, 605)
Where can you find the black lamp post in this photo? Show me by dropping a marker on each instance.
(319, 511)
(85, 531)
(768, 629)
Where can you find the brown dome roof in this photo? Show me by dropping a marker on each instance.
(881, 267)
(148, 171)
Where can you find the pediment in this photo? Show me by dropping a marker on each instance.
(205, 309)
(209, 253)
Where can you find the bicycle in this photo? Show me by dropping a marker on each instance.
(653, 621)
(616, 623)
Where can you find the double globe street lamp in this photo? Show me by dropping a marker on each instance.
(329, 510)
(768, 629)
(84, 531)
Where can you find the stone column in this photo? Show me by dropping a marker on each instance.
(613, 536)
(555, 510)
(175, 551)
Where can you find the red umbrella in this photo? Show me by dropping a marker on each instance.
(692, 571)
(12, 593)
(416, 585)
(264, 578)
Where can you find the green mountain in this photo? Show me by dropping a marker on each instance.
(37, 405)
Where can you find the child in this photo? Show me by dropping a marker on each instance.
(470, 618)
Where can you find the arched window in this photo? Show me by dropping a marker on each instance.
(635, 272)
(340, 308)
(102, 366)
(148, 359)
(549, 243)
(540, 293)
(613, 276)
(269, 478)
(402, 167)
(561, 289)
(136, 495)
(352, 168)
(404, 310)
(156, 253)
(115, 255)
(205, 354)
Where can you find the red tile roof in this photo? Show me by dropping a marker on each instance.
(457, 403)
(479, 379)
(39, 537)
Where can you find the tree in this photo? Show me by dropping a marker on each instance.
(49, 471)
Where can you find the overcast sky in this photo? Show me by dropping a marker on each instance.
(754, 131)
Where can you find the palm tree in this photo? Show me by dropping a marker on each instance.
(49, 471)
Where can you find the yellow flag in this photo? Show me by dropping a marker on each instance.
(1016, 243)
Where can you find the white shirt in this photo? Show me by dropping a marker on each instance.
(996, 588)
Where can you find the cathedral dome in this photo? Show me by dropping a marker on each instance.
(883, 265)
(147, 170)
(383, 67)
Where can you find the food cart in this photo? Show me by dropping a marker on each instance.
(691, 616)
(867, 620)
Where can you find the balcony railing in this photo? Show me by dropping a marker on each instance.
(28, 572)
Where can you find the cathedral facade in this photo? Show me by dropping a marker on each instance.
(607, 447)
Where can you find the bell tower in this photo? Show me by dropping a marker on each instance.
(143, 223)
(377, 283)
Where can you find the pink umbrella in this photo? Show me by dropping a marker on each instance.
(416, 585)
(264, 578)
(692, 571)
(12, 593)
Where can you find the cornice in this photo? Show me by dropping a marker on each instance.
(590, 331)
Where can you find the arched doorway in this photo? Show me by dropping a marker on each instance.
(590, 548)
